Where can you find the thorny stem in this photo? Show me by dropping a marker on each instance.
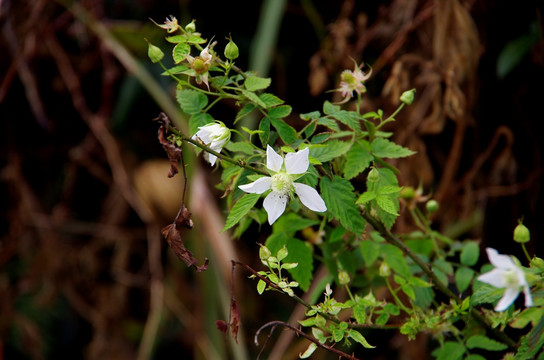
(392, 239)
(274, 324)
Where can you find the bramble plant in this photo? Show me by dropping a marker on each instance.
(433, 285)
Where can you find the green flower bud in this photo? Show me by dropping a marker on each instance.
(190, 27)
(384, 270)
(407, 97)
(154, 53)
(231, 50)
(407, 193)
(537, 262)
(343, 277)
(432, 206)
(521, 234)
(373, 175)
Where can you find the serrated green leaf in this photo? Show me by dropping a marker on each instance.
(451, 351)
(387, 204)
(254, 83)
(340, 200)
(470, 253)
(394, 257)
(485, 343)
(240, 209)
(300, 252)
(357, 336)
(384, 148)
(176, 39)
(366, 197)
(329, 108)
(310, 116)
(264, 128)
(244, 111)
(280, 111)
(180, 52)
(329, 150)
(348, 118)
(270, 100)
(286, 132)
(195, 39)
(463, 277)
(370, 251)
(191, 101)
(251, 96)
(178, 69)
(484, 293)
(198, 120)
(330, 123)
(358, 159)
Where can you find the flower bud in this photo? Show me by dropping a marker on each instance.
(264, 253)
(537, 262)
(432, 206)
(373, 175)
(343, 277)
(190, 27)
(407, 193)
(407, 97)
(384, 270)
(231, 50)
(154, 53)
(521, 234)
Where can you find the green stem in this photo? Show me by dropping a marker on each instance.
(427, 269)
(526, 252)
(219, 155)
(396, 298)
(391, 117)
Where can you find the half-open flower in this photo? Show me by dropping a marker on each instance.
(282, 183)
(215, 136)
(507, 275)
(351, 81)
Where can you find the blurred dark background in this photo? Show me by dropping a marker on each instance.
(84, 272)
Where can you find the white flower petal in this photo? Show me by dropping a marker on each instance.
(310, 197)
(500, 261)
(211, 158)
(297, 163)
(510, 295)
(528, 297)
(274, 204)
(259, 186)
(273, 160)
(495, 277)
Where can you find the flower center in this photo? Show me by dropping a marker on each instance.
(511, 279)
(281, 183)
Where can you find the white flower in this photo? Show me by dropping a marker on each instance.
(352, 81)
(284, 172)
(508, 275)
(215, 136)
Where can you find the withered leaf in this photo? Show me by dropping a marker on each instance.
(173, 236)
(221, 325)
(174, 153)
(234, 319)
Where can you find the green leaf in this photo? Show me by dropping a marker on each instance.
(198, 120)
(191, 101)
(329, 150)
(280, 111)
(340, 200)
(330, 123)
(366, 197)
(195, 39)
(485, 343)
(286, 132)
(349, 118)
(310, 116)
(309, 351)
(463, 277)
(270, 100)
(484, 293)
(355, 335)
(251, 96)
(261, 285)
(529, 315)
(264, 127)
(244, 111)
(178, 69)
(241, 146)
(240, 209)
(300, 252)
(254, 83)
(384, 148)
(470, 253)
(329, 108)
(176, 39)
(532, 342)
(451, 351)
(394, 257)
(387, 204)
(370, 251)
(180, 52)
(358, 159)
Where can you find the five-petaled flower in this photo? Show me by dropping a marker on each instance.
(281, 183)
(508, 275)
(215, 136)
(351, 81)
(171, 24)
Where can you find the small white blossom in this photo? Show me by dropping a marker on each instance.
(507, 275)
(282, 185)
(215, 136)
(351, 81)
